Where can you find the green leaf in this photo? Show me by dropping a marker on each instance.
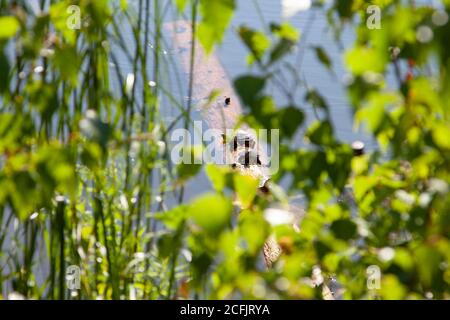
(288, 38)
(95, 130)
(291, 119)
(283, 47)
(403, 259)
(428, 261)
(69, 71)
(257, 42)
(391, 288)
(344, 229)
(218, 176)
(172, 219)
(124, 4)
(246, 187)
(59, 15)
(285, 31)
(441, 136)
(249, 88)
(56, 164)
(344, 8)
(362, 59)
(8, 27)
(187, 171)
(316, 100)
(14, 131)
(216, 15)
(323, 57)
(24, 194)
(4, 75)
(168, 243)
(211, 212)
(375, 113)
(254, 229)
(321, 133)
(181, 4)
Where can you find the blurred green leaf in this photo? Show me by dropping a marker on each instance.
(363, 59)
(187, 171)
(218, 176)
(211, 212)
(246, 187)
(95, 130)
(323, 57)
(257, 42)
(428, 262)
(291, 119)
(391, 288)
(216, 15)
(249, 88)
(344, 229)
(181, 4)
(172, 218)
(316, 99)
(8, 27)
(441, 134)
(321, 133)
(254, 229)
(283, 47)
(285, 31)
(5, 67)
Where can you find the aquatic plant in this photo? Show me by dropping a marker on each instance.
(87, 186)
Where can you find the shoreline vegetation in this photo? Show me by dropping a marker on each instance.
(211, 78)
(92, 205)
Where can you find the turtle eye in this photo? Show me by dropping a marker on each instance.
(227, 101)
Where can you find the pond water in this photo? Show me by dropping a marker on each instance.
(232, 54)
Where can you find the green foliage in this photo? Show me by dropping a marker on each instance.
(9, 27)
(211, 213)
(85, 176)
(216, 15)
